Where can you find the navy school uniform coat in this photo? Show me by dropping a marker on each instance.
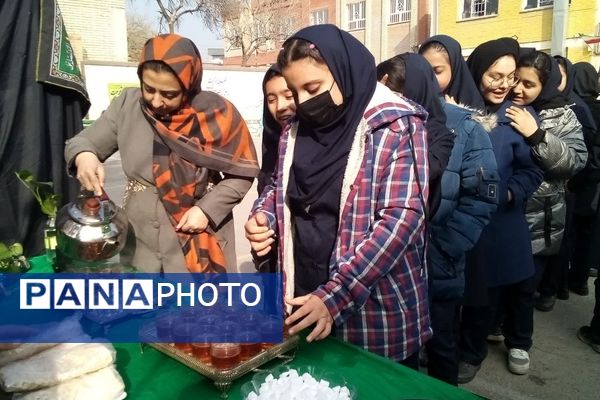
(469, 194)
(503, 254)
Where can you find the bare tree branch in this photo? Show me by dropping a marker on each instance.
(172, 11)
(138, 32)
(256, 25)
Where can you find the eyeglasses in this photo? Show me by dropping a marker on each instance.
(511, 82)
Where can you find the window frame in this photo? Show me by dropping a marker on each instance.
(323, 11)
(538, 6)
(399, 17)
(461, 10)
(358, 23)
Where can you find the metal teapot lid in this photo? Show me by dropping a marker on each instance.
(92, 210)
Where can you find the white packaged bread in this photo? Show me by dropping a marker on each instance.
(105, 384)
(56, 365)
(68, 328)
(23, 351)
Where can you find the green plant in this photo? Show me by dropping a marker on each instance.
(12, 258)
(14, 250)
(42, 191)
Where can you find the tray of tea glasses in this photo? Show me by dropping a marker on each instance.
(223, 363)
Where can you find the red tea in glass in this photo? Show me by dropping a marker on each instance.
(182, 335)
(249, 350)
(249, 342)
(225, 355)
(202, 352)
(267, 346)
(271, 325)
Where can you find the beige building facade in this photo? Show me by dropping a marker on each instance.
(386, 27)
(97, 29)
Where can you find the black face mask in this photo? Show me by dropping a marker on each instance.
(320, 110)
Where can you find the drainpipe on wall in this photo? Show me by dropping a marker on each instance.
(433, 25)
(560, 17)
(414, 25)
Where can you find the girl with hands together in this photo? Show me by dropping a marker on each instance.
(559, 149)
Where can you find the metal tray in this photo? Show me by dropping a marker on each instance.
(223, 379)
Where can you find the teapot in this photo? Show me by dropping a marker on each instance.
(92, 228)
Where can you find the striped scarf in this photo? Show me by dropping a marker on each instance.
(206, 132)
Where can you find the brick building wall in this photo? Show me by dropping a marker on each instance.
(97, 28)
(267, 55)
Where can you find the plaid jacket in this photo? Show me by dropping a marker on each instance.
(377, 289)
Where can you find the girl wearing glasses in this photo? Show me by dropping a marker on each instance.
(557, 145)
(500, 271)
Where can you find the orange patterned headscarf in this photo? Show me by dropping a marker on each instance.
(206, 132)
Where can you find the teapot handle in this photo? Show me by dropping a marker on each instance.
(103, 196)
(84, 193)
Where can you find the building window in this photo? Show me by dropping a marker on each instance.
(399, 11)
(356, 15)
(529, 4)
(479, 8)
(318, 17)
(287, 27)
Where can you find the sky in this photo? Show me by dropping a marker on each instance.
(191, 26)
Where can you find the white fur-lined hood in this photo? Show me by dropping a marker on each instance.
(487, 121)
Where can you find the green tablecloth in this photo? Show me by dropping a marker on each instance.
(151, 375)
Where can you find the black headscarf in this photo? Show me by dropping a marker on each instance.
(569, 71)
(550, 97)
(461, 86)
(584, 183)
(582, 111)
(270, 137)
(325, 150)
(585, 82)
(321, 155)
(422, 87)
(487, 53)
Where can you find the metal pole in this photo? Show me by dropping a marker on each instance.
(560, 17)
(433, 28)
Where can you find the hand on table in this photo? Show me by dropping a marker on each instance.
(259, 235)
(312, 310)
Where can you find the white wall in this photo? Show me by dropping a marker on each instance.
(241, 87)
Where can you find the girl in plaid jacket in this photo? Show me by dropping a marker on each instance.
(347, 201)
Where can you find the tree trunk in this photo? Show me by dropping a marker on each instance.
(171, 26)
(244, 55)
